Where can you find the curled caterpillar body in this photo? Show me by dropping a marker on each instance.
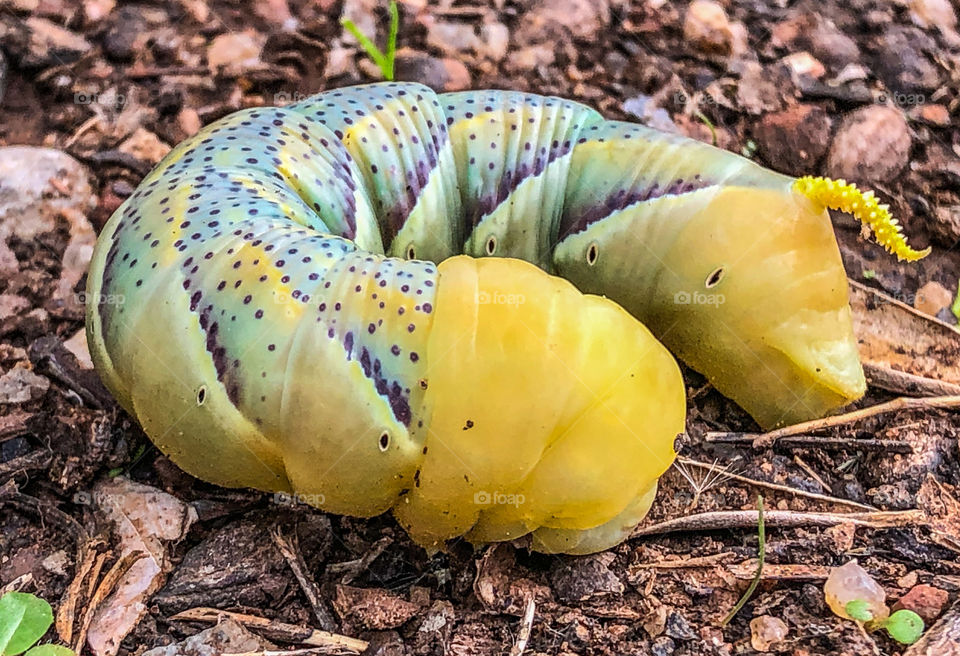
(291, 317)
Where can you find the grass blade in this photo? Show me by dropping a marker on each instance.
(762, 552)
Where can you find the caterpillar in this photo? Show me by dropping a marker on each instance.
(459, 307)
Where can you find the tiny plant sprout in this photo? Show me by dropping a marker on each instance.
(859, 610)
(904, 626)
(383, 60)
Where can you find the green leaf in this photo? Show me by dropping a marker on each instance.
(869, 274)
(50, 650)
(904, 626)
(859, 610)
(24, 618)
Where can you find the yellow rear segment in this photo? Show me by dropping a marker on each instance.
(546, 408)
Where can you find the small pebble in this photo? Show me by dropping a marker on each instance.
(494, 41)
(794, 140)
(20, 385)
(145, 146)
(924, 600)
(932, 114)
(663, 646)
(766, 631)
(803, 63)
(707, 28)
(871, 145)
(933, 13)
(932, 297)
(236, 51)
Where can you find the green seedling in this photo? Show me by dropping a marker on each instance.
(904, 626)
(383, 60)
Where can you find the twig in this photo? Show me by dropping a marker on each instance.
(136, 73)
(780, 572)
(17, 584)
(65, 614)
(72, 139)
(761, 556)
(278, 630)
(815, 442)
(95, 572)
(526, 627)
(802, 464)
(117, 158)
(687, 563)
(282, 652)
(887, 378)
(350, 568)
(104, 590)
(765, 440)
(844, 444)
(729, 519)
(14, 425)
(886, 298)
(781, 488)
(38, 459)
(291, 552)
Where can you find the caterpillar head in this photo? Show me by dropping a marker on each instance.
(746, 285)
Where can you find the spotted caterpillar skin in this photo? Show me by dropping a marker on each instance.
(308, 304)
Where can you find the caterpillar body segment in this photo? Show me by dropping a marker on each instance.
(281, 305)
(397, 137)
(534, 421)
(513, 152)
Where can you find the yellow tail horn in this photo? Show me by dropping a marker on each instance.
(846, 197)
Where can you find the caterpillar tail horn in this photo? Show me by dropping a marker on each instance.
(846, 197)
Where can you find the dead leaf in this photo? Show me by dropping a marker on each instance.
(372, 608)
(145, 520)
(228, 637)
(891, 333)
(500, 588)
(943, 509)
